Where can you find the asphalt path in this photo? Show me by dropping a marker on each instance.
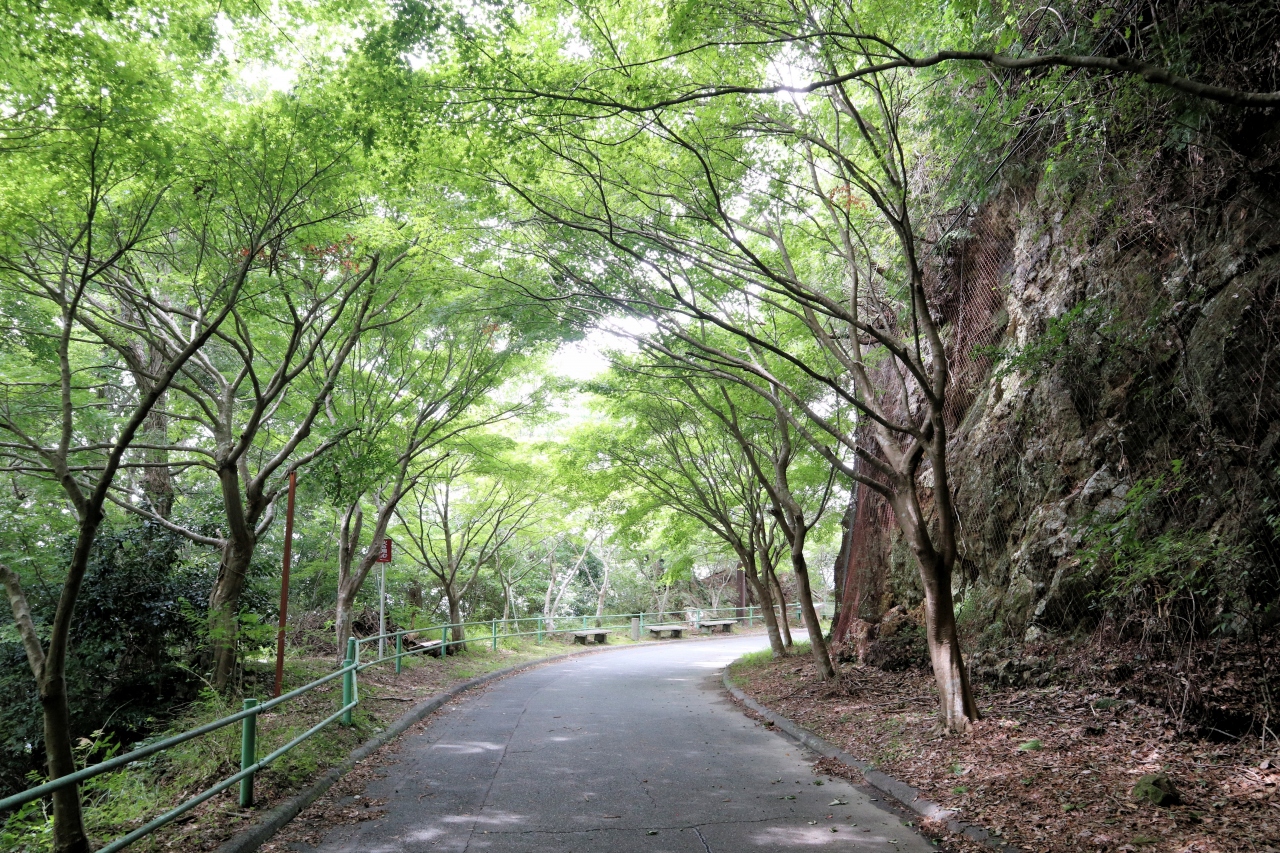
(634, 750)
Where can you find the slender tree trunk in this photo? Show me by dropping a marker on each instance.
(49, 669)
(68, 819)
(604, 591)
(957, 708)
(817, 643)
(224, 606)
(784, 624)
(348, 541)
(69, 834)
(765, 597)
(842, 565)
(550, 613)
(342, 619)
(459, 633)
(157, 481)
(551, 585)
(224, 600)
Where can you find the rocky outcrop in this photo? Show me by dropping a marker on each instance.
(1135, 354)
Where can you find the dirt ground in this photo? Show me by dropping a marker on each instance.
(1048, 769)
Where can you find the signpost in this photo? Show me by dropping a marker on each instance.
(284, 582)
(383, 559)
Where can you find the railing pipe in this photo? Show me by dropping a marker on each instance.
(248, 716)
(15, 800)
(172, 814)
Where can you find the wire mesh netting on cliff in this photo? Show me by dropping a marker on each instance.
(1114, 411)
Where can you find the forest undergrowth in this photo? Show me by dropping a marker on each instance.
(1049, 768)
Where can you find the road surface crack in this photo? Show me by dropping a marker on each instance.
(696, 827)
(488, 791)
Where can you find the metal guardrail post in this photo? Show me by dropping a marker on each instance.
(493, 630)
(349, 680)
(444, 642)
(539, 630)
(399, 651)
(248, 752)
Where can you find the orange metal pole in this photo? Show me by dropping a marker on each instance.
(284, 582)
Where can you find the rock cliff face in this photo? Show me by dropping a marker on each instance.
(1117, 448)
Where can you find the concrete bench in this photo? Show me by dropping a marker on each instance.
(723, 625)
(585, 637)
(676, 631)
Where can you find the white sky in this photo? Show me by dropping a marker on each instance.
(586, 359)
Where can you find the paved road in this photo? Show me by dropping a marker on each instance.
(635, 750)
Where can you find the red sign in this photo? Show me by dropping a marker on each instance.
(385, 556)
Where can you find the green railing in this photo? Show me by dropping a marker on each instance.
(499, 629)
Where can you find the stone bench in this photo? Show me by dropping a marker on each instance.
(723, 625)
(586, 636)
(677, 631)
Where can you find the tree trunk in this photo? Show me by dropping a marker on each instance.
(551, 585)
(348, 541)
(957, 708)
(224, 600)
(49, 669)
(224, 607)
(765, 597)
(604, 591)
(817, 643)
(784, 624)
(842, 564)
(342, 619)
(157, 481)
(459, 633)
(69, 834)
(776, 644)
(549, 615)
